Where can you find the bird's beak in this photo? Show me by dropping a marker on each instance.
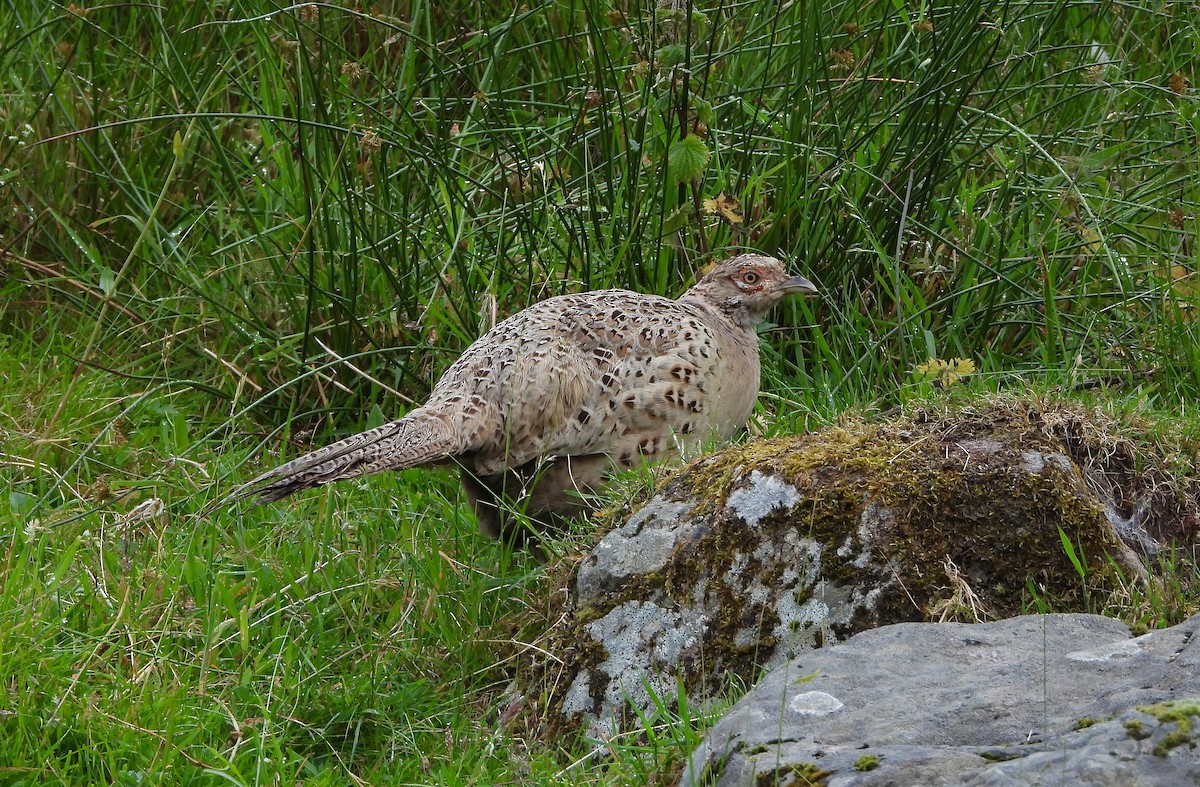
(798, 284)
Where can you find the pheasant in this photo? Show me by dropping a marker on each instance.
(539, 409)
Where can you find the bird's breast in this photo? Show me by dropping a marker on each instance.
(736, 389)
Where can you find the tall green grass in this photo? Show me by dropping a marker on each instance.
(231, 229)
(325, 185)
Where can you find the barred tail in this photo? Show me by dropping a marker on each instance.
(415, 439)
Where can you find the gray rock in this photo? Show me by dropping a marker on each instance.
(1034, 700)
(643, 544)
(751, 556)
(743, 562)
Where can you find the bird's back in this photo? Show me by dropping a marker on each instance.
(612, 371)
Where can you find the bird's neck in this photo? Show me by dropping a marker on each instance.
(731, 310)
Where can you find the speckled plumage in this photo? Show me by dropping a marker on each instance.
(538, 409)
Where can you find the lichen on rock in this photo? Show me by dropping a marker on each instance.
(765, 550)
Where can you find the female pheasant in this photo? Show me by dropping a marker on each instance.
(538, 409)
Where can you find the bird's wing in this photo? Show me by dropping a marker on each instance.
(612, 372)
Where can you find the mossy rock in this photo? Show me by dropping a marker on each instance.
(760, 551)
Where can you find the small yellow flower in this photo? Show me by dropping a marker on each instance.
(942, 374)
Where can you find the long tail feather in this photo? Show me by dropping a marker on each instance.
(415, 439)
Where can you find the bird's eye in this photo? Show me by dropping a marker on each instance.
(750, 277)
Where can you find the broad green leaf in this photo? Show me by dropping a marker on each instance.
(687, 158)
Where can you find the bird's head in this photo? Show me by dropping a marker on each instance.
(747, 286)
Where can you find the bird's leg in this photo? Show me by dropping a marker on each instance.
(549, 492)
(498, 501)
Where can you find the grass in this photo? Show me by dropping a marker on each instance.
(233, 230)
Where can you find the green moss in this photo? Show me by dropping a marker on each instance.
(804, 774)
(712, 771)
(867, 762)
(1085, 722)
(997, 755)
(884, 507)
(1136, 730)
(1177, 712)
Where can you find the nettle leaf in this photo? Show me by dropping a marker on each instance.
(670, 56)
(687, 158)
